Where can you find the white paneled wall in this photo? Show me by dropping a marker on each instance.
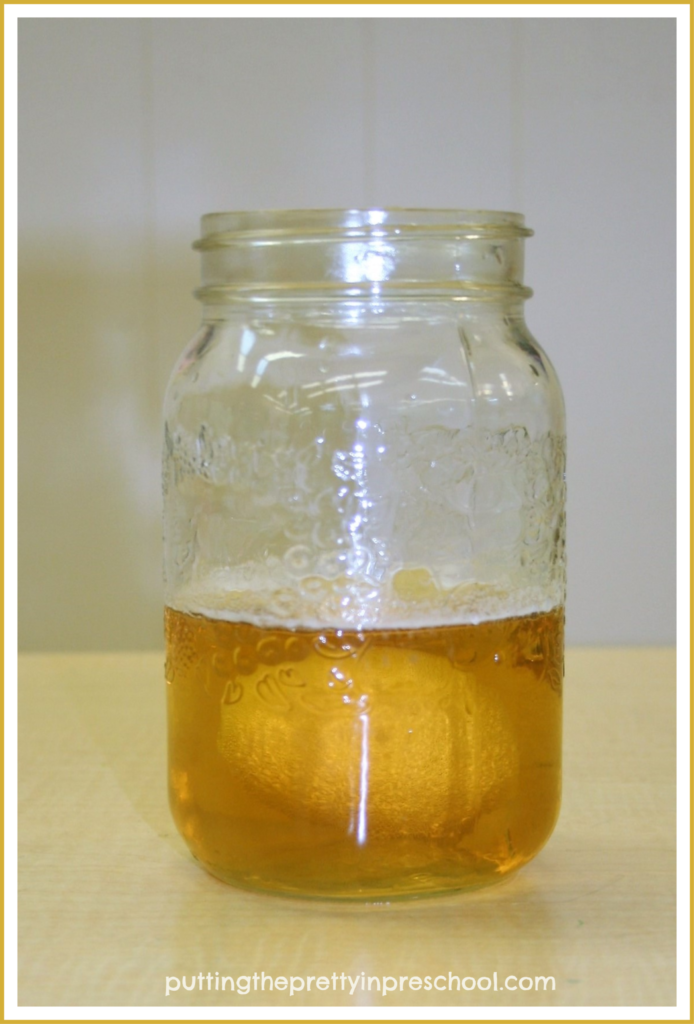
(131, 128)
(598, 154)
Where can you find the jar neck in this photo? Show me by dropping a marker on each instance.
(333, 255)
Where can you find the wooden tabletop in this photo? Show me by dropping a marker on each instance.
(111, 902)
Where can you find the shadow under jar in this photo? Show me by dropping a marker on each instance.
(364, 556)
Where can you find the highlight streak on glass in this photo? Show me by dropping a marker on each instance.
(363, 780)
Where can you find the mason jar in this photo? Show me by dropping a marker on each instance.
(364, 556)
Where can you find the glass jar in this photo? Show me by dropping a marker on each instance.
(364, 556)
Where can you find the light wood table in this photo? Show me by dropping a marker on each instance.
(111, 903)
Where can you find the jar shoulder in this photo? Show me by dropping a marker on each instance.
(512, 374)
(493, 364)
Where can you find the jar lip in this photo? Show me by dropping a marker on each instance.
(255, 226)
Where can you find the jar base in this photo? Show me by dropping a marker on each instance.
(422, 885)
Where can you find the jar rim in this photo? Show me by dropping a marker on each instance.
(239, 226)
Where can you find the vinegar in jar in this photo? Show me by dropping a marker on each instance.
(365, 764)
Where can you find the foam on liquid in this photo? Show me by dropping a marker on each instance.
(410, 599)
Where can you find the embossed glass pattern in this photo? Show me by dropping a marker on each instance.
(364, 556)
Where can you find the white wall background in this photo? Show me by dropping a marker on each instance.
(132, 128)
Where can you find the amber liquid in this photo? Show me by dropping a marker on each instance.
(364, 765)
